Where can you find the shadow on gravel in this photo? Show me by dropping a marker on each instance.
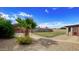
(46, 42)
(6, 38)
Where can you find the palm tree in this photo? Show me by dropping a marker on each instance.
(27, 24)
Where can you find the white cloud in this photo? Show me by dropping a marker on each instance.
(70, 7)
(4, 15)
(51, 24)
(46, 11)
(14, 16)
(14, 22)
(25, 14)
(54, 8)
(9, 17)
(55, 24)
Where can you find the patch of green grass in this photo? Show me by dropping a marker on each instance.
(50, 34)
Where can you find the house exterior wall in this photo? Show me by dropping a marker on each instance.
(71, 33)
(67, 33)
(19, 30)
(74, 31)
(78, 31)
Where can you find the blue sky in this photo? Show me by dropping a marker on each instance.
(53, 17)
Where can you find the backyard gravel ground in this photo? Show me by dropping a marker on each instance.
(40, 44)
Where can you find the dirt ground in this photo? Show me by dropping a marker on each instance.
(38, 44)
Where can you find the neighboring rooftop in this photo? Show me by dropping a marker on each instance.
(72, 25)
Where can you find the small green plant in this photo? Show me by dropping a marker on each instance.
(24, 40)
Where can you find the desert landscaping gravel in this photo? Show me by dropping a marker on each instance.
(38, 45)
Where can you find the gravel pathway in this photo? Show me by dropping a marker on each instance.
(38, 44)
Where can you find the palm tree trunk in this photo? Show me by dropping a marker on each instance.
(26, 32)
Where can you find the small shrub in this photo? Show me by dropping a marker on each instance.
(24, 40)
